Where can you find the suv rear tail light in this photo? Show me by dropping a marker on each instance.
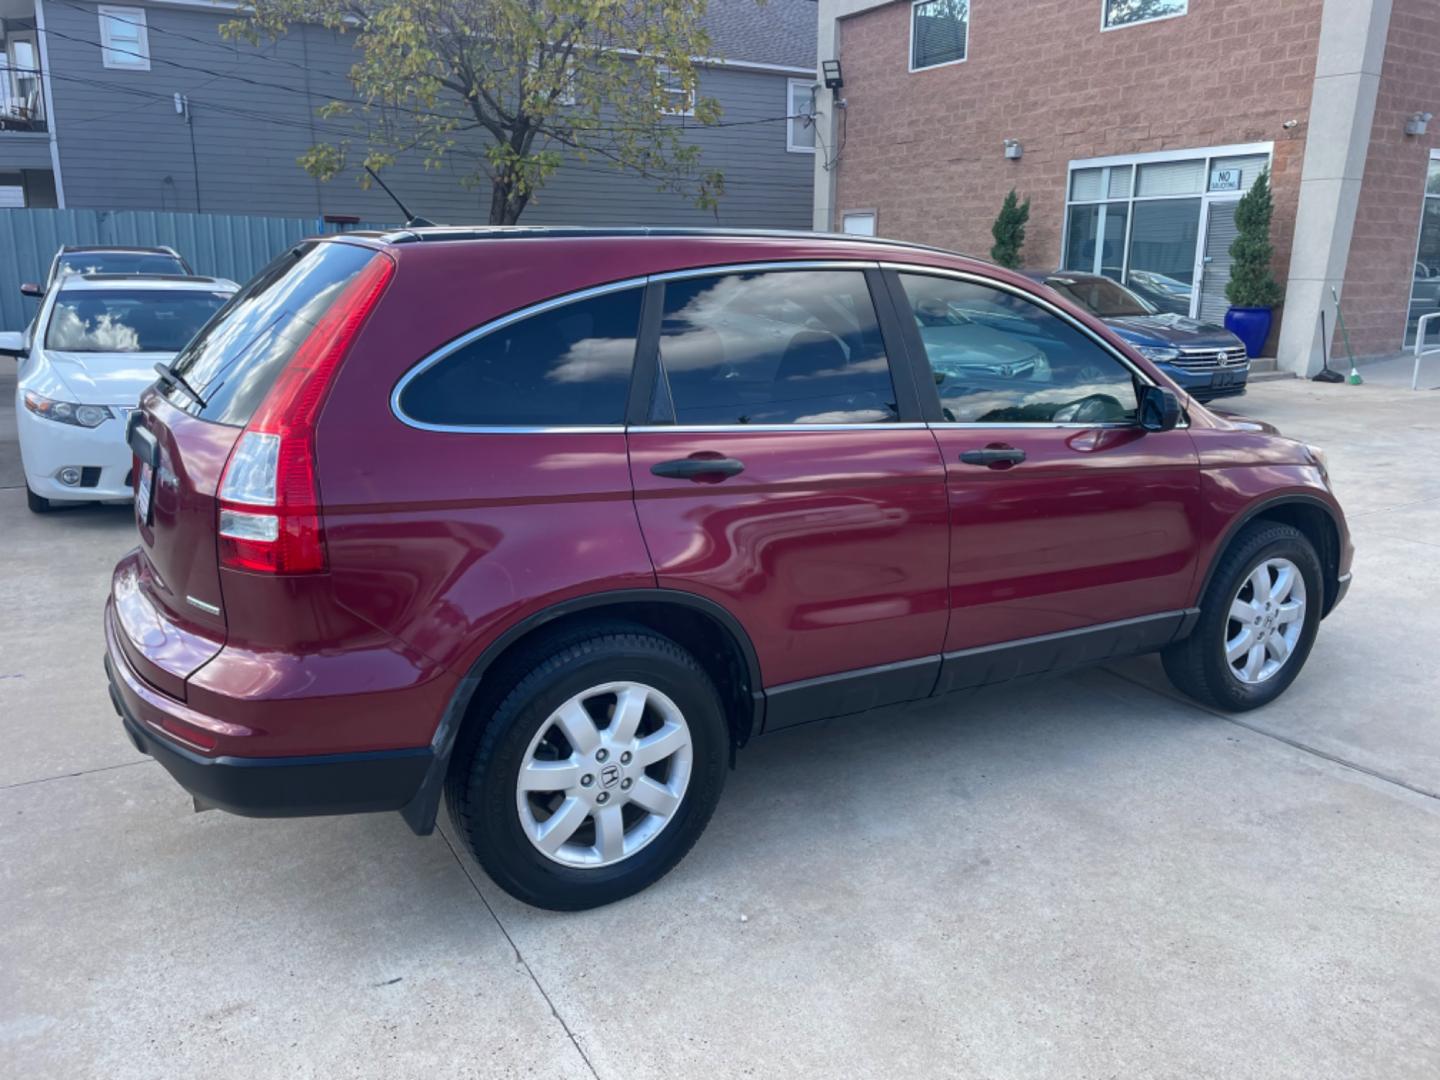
(269, 498)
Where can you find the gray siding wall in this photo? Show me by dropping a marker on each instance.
(122, 145)
(24, 150)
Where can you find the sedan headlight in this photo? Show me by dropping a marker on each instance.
(1159, 353)
(67, 412)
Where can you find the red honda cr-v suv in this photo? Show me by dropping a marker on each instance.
(553, 521)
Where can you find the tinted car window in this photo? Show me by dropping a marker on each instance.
(1101, 297)
(999, 358)
(566, 366)
(129, 320)
(234, 360)
(119, 262)
(778, 347)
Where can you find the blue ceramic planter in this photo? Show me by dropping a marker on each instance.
(1251, 325)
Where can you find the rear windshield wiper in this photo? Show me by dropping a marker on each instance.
(170, 377)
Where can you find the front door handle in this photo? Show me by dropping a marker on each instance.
(993, 456)
(716, 468)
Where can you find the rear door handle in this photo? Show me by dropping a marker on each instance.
(698, 468)
(993, 456)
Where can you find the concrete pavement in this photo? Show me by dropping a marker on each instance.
(1082, 878)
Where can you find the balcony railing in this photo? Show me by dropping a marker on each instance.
(22, 102)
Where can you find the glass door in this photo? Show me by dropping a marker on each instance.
(1220, 233)
(1425, 286)
(1163, 240)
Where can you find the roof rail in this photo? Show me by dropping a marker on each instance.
(515, 232)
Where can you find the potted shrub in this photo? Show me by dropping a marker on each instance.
(1253, 291)
(1009, 231)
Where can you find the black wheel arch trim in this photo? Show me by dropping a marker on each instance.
(420, 813)
(1294, 498)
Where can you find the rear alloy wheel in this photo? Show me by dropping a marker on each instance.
(594, 763)
(593, 795)
(1258, 620)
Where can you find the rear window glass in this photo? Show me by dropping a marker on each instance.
(235, 359)
(563, 367)
(129, 320)
(119, 262)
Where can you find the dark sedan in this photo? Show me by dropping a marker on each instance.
(1207, 360)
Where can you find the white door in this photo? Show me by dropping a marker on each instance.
(1213, 270)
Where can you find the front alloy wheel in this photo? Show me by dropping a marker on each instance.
(1267, 617)
(1258, 619)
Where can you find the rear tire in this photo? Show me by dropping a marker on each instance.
(614, 737)
(1258, 620)
(37, 504)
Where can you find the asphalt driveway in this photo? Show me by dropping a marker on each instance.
(1083, 878)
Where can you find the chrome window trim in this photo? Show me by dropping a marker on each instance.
(489, 328)
(1037, 426)
(732, 429)
(588, 293)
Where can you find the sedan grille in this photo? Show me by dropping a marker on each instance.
(1210, 359)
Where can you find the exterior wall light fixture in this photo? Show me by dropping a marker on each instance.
(831, 71)
(1419, 124)
(1013, 150)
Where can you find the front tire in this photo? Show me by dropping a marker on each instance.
(597, 771)
(1258, 620)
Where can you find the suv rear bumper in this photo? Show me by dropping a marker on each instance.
(261, 786)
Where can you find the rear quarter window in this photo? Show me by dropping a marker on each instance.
(566, 365)
(233, 361)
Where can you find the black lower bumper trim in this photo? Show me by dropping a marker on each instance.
(285, 786)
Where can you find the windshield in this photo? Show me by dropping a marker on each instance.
(119, 262)
(1101, 297)
(129, 320)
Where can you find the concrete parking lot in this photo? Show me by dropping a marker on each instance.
(1083, 878)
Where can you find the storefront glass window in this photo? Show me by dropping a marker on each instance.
(1140, 222)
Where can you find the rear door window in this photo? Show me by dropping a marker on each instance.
(236, 357)
(565, 366)
(773, 347)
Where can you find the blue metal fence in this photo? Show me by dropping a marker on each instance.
(225, 245)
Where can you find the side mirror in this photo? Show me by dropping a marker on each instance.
(30, 288)
(1159, 408)
(12, 343)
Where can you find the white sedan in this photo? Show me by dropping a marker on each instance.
(84, 362)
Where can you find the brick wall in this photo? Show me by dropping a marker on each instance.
(926, 149)
(1381, 268)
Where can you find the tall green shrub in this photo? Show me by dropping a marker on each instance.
(1252, 282)
(1009, 231)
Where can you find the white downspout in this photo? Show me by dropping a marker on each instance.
(50, 124)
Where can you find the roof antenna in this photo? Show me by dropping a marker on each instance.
(412, 221)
